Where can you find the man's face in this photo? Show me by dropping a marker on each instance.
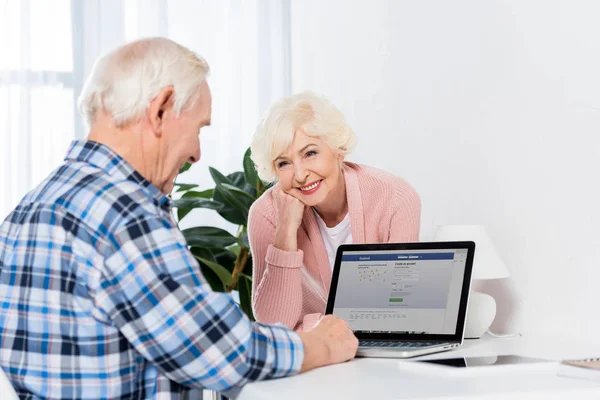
(180, 141)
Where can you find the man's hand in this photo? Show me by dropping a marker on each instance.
(289, 217)
(331, 341)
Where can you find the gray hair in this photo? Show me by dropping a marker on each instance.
(124, 82)
(312, 113)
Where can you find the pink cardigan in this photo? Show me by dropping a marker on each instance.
(292, 287)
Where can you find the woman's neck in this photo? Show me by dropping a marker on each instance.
(335, 207)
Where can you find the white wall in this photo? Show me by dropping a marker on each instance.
(491, 109)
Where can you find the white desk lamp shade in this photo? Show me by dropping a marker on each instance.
(487, 263)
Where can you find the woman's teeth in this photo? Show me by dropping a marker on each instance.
(311, 187)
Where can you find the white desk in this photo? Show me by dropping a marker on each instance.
(367, 379)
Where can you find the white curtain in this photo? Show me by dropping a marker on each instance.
(48, 48)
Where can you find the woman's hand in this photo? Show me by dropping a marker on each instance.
(289, 217)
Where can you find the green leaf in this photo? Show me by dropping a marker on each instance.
(239, 180)
(221, 272)
(185, 167)
(235, 249)
(229, 212)
(211, 277)
(208, 236)
(189, 203)
(235, 200)
(219, 177)
(181, 213)
(235, 189)
(226, 258)
(205, 194)
(182, 187)
(183, 210)
(245, 288)
(250, 170)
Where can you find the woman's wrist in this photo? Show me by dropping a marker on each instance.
(286, 240)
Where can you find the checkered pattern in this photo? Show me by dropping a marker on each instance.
(100, 297)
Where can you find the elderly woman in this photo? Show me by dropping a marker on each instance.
(319, 202)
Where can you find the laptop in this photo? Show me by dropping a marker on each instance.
(403, 299)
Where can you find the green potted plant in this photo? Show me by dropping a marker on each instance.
(225, 259)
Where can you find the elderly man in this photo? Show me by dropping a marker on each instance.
(100, 297)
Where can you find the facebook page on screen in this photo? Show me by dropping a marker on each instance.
(413, 291)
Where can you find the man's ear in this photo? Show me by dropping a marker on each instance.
(159, 106)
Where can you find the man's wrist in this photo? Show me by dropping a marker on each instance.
(316, 353)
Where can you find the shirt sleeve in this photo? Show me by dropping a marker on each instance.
(153, 291)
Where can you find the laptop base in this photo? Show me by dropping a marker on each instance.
(403, 352)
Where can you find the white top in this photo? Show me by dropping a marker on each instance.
(334, 237)
(388, 379)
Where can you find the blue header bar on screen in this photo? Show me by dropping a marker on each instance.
(398, 256)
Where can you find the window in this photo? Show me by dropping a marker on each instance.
(36, 93)
(49, 47)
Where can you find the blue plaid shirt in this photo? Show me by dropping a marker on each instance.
(101, 298)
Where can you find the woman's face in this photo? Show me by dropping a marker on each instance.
(310, 170)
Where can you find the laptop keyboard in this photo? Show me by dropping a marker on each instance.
(389, 343)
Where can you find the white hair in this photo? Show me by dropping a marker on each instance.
(124, 82)
(312, 113)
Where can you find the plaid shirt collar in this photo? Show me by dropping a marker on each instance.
(103, 157)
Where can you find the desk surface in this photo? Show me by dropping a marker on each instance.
(384, 379)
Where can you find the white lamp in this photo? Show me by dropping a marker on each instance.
(487, 265)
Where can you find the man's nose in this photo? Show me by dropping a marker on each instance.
(196, 156)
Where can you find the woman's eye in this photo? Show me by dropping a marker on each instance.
(311, 153)
(282, 164)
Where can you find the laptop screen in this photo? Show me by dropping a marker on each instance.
(401, 291)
